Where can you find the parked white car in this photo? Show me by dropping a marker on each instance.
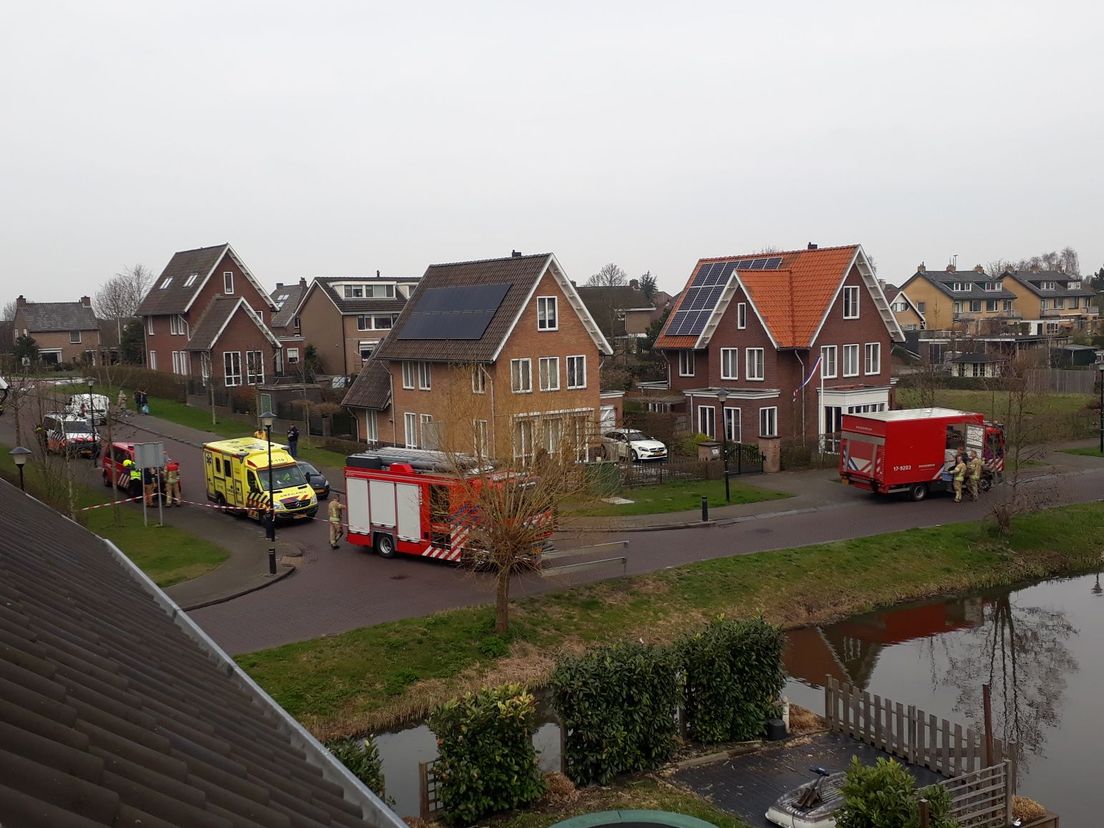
(77, 406)
(630, 444)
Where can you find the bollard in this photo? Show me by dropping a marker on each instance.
(272, 560)
(705, 509)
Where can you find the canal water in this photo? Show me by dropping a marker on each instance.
(1040, 647)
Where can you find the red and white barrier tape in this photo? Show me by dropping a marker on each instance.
(110, 503)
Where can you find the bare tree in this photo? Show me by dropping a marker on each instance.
(7, 313)
(120, 296)
(609, 276)
(1066, 261)
(1019, 427)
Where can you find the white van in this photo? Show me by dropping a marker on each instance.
(77, 406)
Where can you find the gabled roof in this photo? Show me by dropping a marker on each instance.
(892, 292)
(972, 284)
(520, 275)
(286, 298)
(791, 301)
(372, 386)
(218, 316)
(1031, 279)
(118, 710)
(179, 295)
(326, 284)
(607, 305)
(40, 317)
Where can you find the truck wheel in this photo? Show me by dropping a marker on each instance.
(918, 491)
(385, 546)
(986, 483)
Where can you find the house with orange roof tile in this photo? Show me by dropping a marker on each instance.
(774, 346)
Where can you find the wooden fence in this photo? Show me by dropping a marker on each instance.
(430, 805)
(981, 793)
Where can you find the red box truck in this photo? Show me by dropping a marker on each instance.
(911, 450)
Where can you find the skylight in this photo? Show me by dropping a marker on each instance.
(191, 280)
(166, 283)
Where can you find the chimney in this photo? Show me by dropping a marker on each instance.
(634, 284)
(515, 254)
(950, 268)
(812, 246)
(920, 268)
(279, 285)
(882, 284)
(86, 301)
(979, 269)
(377, 273)
(20, 301)
(302, 281)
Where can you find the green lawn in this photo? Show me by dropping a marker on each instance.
(167, 554)
(1049, 416)
(680, 496)
(1091, 451)
(372, 677)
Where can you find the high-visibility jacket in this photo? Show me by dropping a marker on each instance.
(130, 467)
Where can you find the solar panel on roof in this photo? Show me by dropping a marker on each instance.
(773, 263)
(455, 312)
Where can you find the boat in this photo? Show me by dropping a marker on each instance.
(812, 805)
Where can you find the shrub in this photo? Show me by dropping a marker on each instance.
(617, 705)
(884, 796)
(733, 675)
(687, 445)
(361, 757)
(487, 761)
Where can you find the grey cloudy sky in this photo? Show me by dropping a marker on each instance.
(340, 137)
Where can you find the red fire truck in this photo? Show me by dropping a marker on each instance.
(408, 501)
(912, 450)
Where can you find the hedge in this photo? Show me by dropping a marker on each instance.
(617, 705)
(732, 677)
(361, 757)
(487, 760)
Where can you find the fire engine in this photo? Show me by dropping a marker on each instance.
(911, 450)
(409, 501)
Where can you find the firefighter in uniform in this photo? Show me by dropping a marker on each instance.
(975, 469)
(135, 484)
(172, 483)
(337, 530)
(959, 476)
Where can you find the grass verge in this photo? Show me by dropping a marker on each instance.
(680, 496)
(1048, 417)
(1091, 451)
(376, 677)
(167, 554)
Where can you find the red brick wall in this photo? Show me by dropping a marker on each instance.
(242, 335)
(321, 327)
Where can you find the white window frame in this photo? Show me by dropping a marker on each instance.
(991, 306)
(547, 321)
(755, 369)
(181, 363)
(191, 280)
(524, 450)
(153, 360)
(371, 427)
(480, 442)
(521, 375)
(730, 363)
(850, 301)
(364, 322)
(365, 348)
(573, 377)
(149, 326)
(741, 315)
(768, 421)
(74, 337)
(165, 284)
(230, 377)
(479, 380)
(228, 281)
(854, 351)
(711, 417)
(958, 307)
(425, 376)
(686, 363)
(292, 356)
(732, 424)
(825, 350)
(872, 358)
(1007, 306)
(410, 430)
(252, 375)
(548, 373)
(424, 423)
(409, 372)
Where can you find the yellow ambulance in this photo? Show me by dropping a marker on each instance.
(237, 478)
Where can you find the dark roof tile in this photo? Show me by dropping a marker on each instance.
(40, 317)
(175, 298)
(286, 307)
(357, 306)
(372, 386)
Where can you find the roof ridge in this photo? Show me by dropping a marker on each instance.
(775, 253)
(495, 259)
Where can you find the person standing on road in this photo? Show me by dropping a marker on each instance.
(293, 440)
(974, 467)
(337, 528)
(122, 401)
(959, 476)
(172, 483)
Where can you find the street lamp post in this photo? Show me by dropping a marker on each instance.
(267, 418)
(20, 455)
(722, 395)
(92, 416)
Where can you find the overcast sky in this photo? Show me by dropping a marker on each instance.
(346, 137)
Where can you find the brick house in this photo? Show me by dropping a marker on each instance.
(346, 317)
(1055, 302)
(908, 315)
(623, 312)
(206, 316)
(795, 339)
(507, 341)
(968, 301)
(287, 326)
(63, 331)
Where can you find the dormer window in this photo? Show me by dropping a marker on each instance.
(1048, 286)
(191, 280)
(960, 286)
(1073, 285)
(992, 286)
(354, 291)
(166, 283)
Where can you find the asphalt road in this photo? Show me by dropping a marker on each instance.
(338, 590)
